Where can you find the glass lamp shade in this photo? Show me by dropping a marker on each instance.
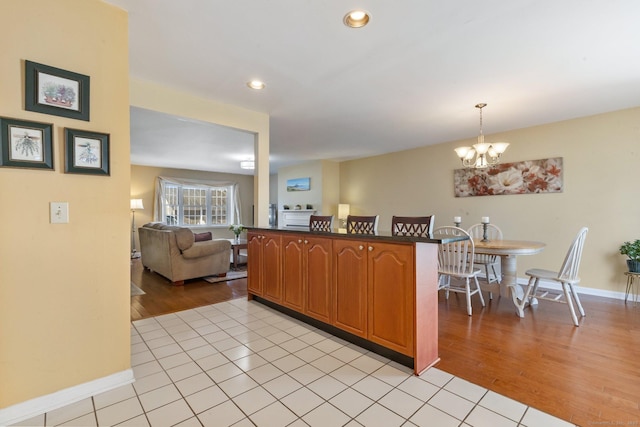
(500, 147)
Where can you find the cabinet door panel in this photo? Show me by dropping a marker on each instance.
(271, 267)
(254, 261)
(292, 272)
(391, 296)
(350, 286)
(318, 262)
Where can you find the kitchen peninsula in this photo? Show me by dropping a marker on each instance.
(376, 290)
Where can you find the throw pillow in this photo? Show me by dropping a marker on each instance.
(201, 237)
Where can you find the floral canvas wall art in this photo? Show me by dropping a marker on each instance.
(531, 176)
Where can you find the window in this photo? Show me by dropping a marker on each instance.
(197, 205)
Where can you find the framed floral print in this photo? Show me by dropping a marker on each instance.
(55, 91)
(86, 152)
(25, 144)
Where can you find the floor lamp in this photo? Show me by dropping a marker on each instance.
(136, 204)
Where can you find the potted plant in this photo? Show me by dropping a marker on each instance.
(237, 229)
(632, 251)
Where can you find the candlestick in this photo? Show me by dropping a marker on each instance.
(485, 238)
(457, 221)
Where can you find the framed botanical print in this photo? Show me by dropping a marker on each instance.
(86, 152)
(25, 144)
(55, 91)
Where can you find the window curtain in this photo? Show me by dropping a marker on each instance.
(161, 183)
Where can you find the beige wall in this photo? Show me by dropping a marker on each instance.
(168, 100)
(64, 288)
(143, 180)
(601, 176)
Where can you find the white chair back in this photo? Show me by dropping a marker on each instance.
(457, 257)
(571, 264)
(476, 232)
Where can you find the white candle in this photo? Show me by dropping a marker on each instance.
(485, 220)
(457, 219)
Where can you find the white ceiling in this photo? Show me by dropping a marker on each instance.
(408, 79)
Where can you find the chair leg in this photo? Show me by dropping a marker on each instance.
(567, 295)
(576, 298)
(468, 295)
(479, 291)
(495, 274)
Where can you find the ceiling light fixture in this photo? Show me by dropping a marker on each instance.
(256, 84)
(483, 154)
(356, 19)
(248, 164)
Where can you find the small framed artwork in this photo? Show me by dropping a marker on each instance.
(26, 144)
(55, 91)
(86, 152)
(299, 184)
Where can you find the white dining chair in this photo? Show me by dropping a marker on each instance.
(455, 261)
(488, 262)
(567, 277)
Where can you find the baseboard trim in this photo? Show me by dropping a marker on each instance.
(31, 408)
(581, 290)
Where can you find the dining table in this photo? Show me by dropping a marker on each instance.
(508, 251)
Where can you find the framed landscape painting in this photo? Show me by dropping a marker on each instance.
(86, 152)
(299, 184)
(26, 144)
(55, 91)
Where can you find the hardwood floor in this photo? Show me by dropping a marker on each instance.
(588, 375)
(162, 297)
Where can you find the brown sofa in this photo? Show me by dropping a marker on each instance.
(173, 252)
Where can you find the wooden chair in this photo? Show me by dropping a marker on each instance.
(412, 225)
(362, 224)
(567, 277)
(487, 261)
(321, 223)
(455, 260)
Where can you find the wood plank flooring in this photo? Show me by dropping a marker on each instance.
(588, 375)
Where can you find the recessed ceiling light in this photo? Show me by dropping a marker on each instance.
(256, 84)
(356, 19)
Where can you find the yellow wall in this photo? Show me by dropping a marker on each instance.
(143, 180)
(164, 99)
(64, 288)
(601, 176)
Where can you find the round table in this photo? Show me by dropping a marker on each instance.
(509, 250)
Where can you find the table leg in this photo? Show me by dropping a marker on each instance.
(509, 286)
(236, 253)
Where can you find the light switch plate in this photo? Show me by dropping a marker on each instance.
(59, 212)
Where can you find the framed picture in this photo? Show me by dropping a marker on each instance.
(54, 91)
(86, 152)
(299, 184)
(26, 144)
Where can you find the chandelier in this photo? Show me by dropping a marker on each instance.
(481, 155)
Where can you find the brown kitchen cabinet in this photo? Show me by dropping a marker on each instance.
(379, 289)
(307, 275)
(264, 269)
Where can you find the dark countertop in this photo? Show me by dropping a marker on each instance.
(380, 235)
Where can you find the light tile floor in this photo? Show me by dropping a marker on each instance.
(239, 363)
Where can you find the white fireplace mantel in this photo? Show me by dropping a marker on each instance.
(295, 218)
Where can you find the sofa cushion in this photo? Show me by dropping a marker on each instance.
(184, 238)
(201, 237)
(207, 247)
